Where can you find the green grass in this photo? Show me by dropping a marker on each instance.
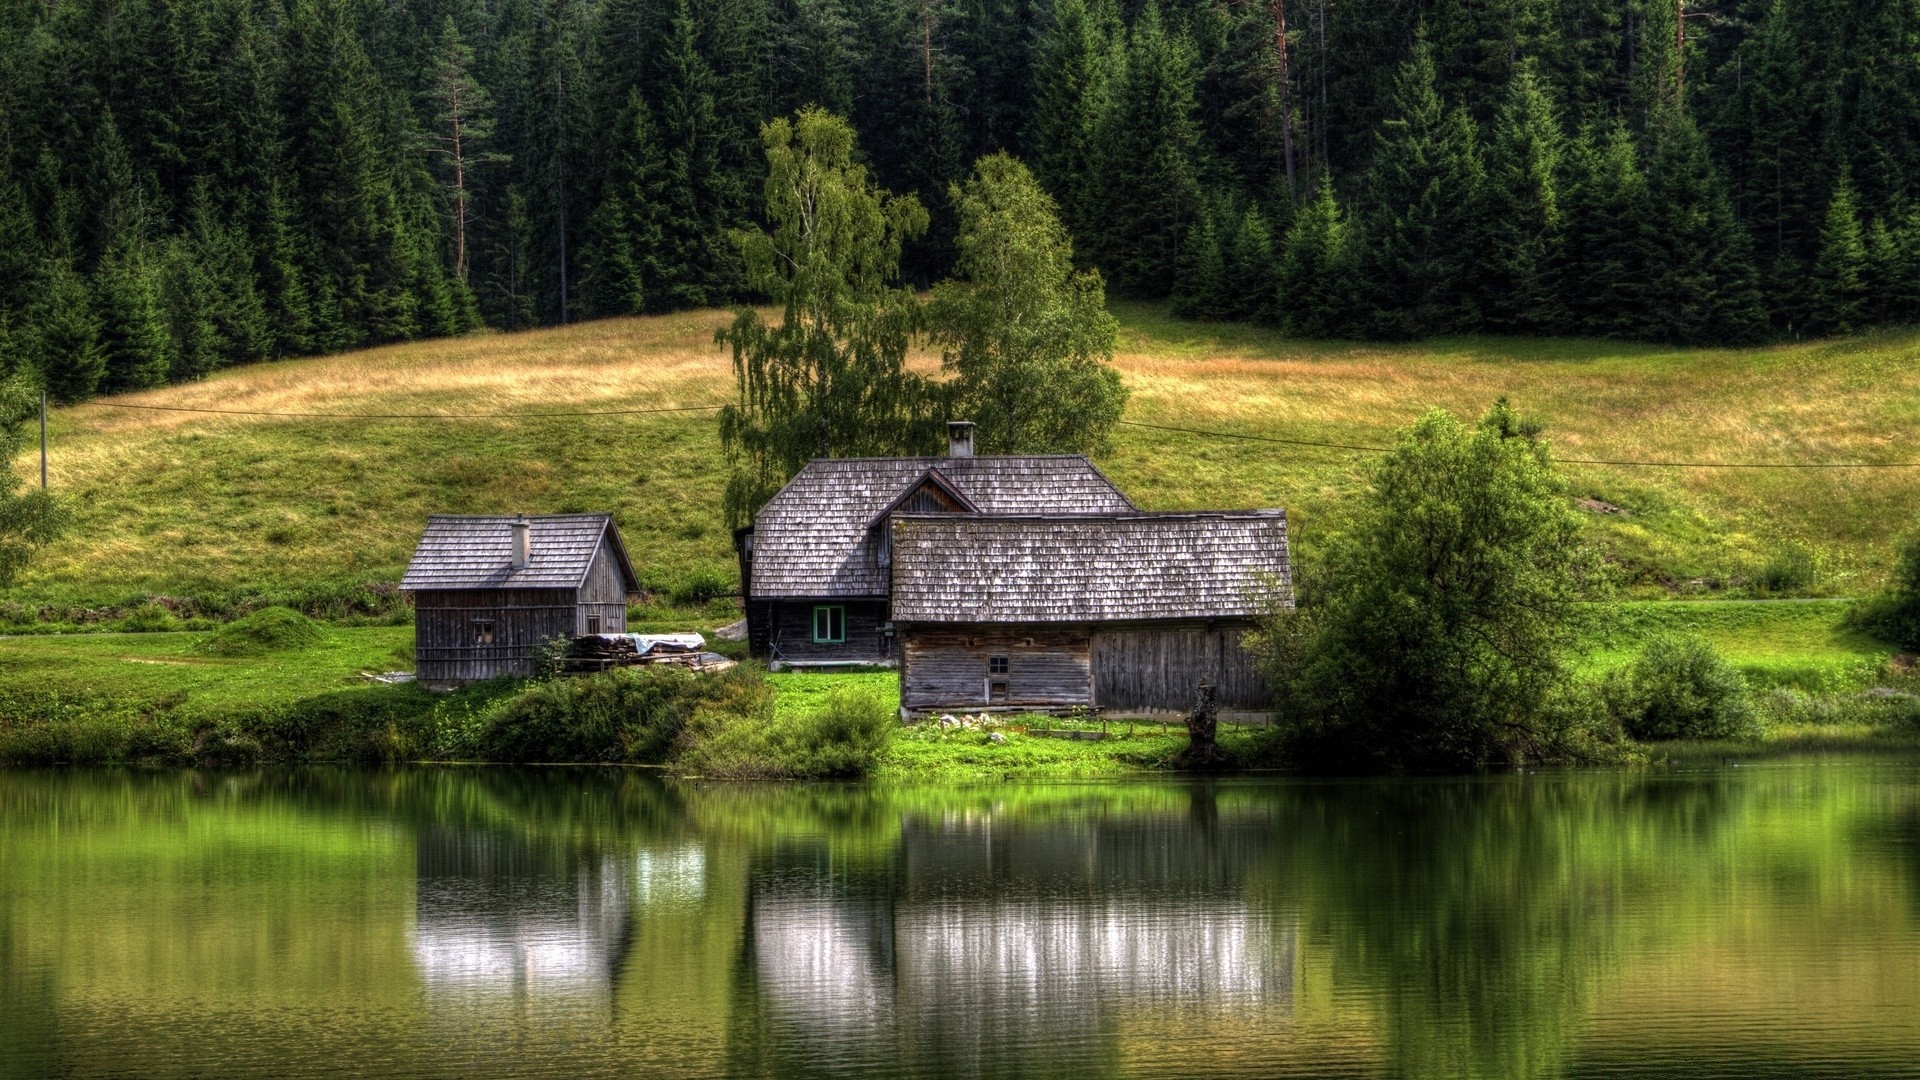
(240, 511)
(171, 666)
(1794, 643)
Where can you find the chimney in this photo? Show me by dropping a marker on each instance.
(522, 542)
(959, 438)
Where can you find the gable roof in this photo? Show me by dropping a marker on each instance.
(1045, 569)
(812, 540)
(476, 552)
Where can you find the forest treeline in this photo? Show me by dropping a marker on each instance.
(187, 184)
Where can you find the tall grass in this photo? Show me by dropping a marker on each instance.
(222, 514)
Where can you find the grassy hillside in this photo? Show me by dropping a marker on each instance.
(186, 504)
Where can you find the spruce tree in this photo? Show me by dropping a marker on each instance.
(1072, 71)
(1149, 175)
(1610, 249)
(1252, 267)
(1424, 193)
(1200, 288)
(1840, 272)
(1703, 288)
(621, 262)
(701, 198)
(1316, 271)
(1523, 213)
(64, 334)
(137, 350)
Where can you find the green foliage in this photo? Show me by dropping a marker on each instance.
(631, 715)
(1840, 271)
(149, 618)
(830, 380)
(270, 629)
(32, 519)
(1147, 162)
(1317, 270)
(1680, 688)
(623, 258)
(842, 739)
(1895, 615)
(1024, 337)
(1440, 631)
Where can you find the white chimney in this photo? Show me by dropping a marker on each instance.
(522, 543)
(959, 438)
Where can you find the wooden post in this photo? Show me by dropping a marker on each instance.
(43, 439)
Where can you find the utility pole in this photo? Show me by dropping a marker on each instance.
(43, 439)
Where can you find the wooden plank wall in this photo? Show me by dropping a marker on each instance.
(444, 649)
(791, 624)
(946, 667)
(1159, 668)
(604, 594)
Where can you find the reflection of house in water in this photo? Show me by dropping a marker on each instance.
(497, 915)
(990, 937)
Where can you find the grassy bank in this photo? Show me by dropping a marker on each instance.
(163, 697)
(222, 511)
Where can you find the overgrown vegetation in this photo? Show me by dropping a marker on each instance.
(271, 629)
(1895, 615)
(1680, 688)
(1439, 631)
(844, 738)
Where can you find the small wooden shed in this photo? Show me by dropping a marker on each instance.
(1127, 613)
(488, 590)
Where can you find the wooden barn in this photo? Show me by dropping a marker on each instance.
(488, 590)
(814, 566)
(1127, 613)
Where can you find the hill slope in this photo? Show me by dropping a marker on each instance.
(177, 503)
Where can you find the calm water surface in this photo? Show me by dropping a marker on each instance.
(1743, 922)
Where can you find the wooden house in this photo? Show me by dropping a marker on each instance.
(488, 590)
(814, 566)
(1127, 613)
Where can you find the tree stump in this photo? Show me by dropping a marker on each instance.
(1202, 752)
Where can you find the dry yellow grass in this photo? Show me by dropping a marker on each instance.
(177, 502)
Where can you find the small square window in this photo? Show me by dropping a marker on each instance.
(829, 624)
(483, 631)
(996, 665)
(593, 624)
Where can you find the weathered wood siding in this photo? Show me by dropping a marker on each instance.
(946, 667)
(790, 625)
(604, 594)
(444, 647)
(1155, 668)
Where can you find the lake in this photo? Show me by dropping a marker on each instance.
(1737, 922)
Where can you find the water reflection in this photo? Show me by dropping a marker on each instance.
(445, 923)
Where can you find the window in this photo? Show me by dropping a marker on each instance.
(996, 665)
(829, 624)
(483, 631)
(593, 624)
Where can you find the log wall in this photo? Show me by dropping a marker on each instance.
(946, 667)
(604, 594)
(1155, 668)
(443, 630)
(789, 626)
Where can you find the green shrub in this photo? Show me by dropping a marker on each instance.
(149, 618)
(625, 715)
(1680, 688)
(700, 586)
(1895, 615)
(1792, 569)
(843, 739)
(269, 630)
(1879, 707)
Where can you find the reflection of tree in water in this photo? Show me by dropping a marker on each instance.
(993, 944)
(1481, 917)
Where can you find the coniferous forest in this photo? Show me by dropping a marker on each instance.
(189, 184)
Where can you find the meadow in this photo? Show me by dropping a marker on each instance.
(225, 509)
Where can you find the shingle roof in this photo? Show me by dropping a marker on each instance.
(960, 568)
(460, 552)
(811, 540)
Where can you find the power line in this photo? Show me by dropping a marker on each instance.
(1560, 460)
(410, 416)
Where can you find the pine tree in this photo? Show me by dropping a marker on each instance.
(1252, 269)
(621, 262)
(64, 334)
(1073, 67)
(463, 128)
(1610, 249)
(1316, 270)
(1200, 289)
(1424, 191)
(702, 199)
(1840, 273)
(1703, 287)
(138, 353)
(1149, 175)
(1523, 210)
